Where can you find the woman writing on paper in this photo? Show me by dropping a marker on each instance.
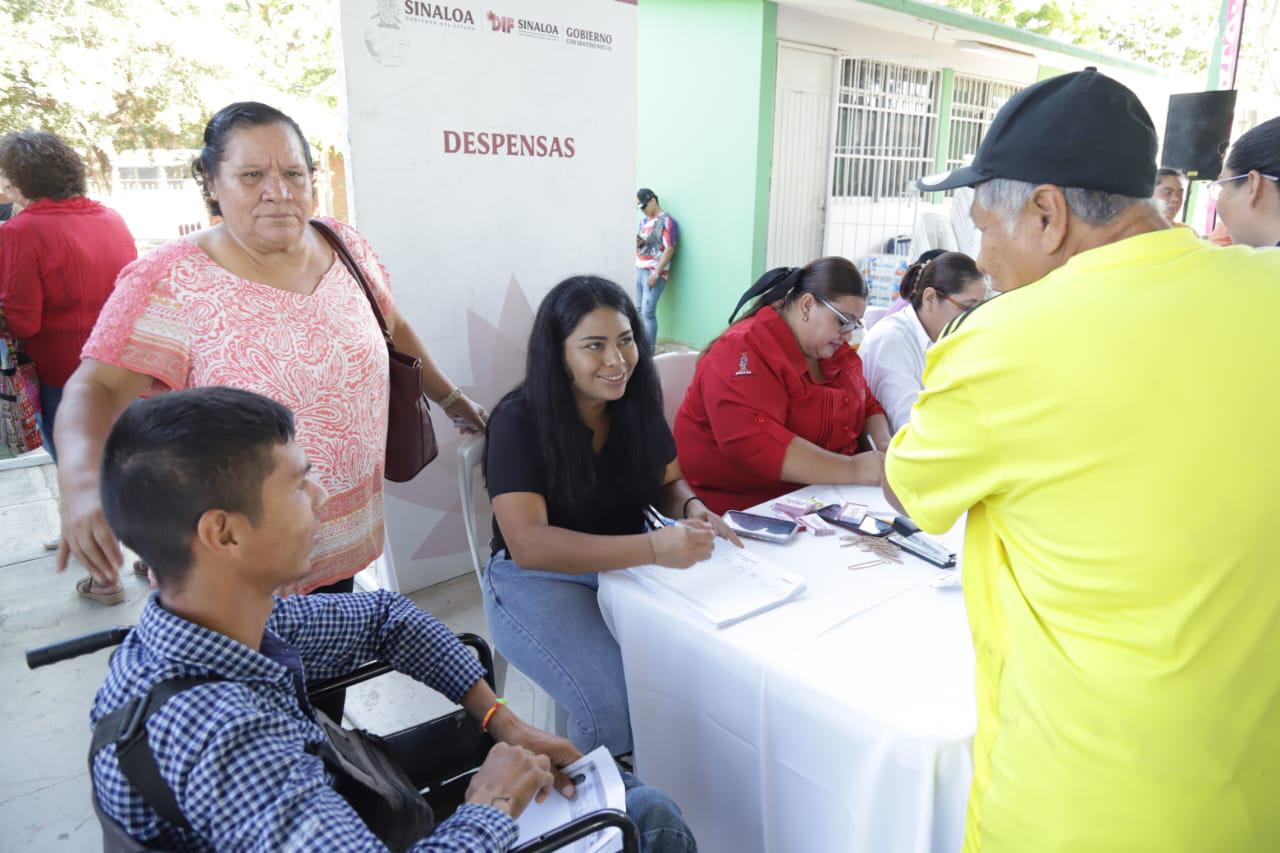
(937, 291)
(779, 399)
(573, 456)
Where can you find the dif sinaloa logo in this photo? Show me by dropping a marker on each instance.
(527, 27)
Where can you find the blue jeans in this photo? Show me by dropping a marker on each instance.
(549, 626)
(662, 827)
(647, 304)
(50, 397)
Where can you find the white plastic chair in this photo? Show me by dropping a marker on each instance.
(932, 231)
(547, 713)
(675, 372)
(381, 573)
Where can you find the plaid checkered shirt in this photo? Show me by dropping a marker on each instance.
(234, 751)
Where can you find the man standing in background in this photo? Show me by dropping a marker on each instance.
(655, 244)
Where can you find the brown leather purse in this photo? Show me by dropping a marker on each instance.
(411, 439)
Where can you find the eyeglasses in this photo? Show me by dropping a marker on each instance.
(848, 325)
(958, 304)
(1215, 188)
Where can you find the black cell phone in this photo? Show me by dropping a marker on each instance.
(859, 522)
(763, 527)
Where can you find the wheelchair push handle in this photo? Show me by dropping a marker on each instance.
(586, 825)
(76, 646)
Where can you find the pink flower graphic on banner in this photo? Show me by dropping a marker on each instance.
(497, 364)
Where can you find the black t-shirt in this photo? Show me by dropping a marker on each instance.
(516, 464)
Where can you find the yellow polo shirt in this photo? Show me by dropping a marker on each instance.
(1114, 432)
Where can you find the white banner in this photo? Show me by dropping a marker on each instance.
(492, 154)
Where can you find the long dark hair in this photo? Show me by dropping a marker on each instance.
(559, 434)
(1257, 149)
(946, 272)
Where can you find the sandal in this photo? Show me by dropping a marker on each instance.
(84, 588)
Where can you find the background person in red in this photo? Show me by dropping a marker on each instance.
(779, 399)
(59, 259)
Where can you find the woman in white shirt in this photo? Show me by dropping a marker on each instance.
(893, 351)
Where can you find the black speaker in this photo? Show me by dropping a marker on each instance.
(1197, 131)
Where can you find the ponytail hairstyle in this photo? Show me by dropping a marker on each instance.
(908, 284)
(828, 278)
(946, 272)
(1257, 150)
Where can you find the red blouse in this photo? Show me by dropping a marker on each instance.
(750, 395)
(58, 265)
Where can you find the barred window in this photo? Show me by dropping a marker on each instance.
(140, 177)
(974, 103)
(886, 128)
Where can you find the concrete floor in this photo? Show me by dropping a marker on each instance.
(44, 787)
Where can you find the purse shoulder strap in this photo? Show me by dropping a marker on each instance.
(344, 254)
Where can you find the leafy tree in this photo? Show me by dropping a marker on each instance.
(111, 75)
(1170, 34)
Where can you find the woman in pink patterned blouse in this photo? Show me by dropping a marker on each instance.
(257, 302)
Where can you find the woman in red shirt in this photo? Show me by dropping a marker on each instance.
(59, 259)
(779, 400)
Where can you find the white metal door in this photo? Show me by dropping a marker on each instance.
(801, 147)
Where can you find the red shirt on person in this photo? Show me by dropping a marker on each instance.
(750, 395)
(58, 264)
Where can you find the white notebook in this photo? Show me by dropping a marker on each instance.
(734, 584)
(599, 786)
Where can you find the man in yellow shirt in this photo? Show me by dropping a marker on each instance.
(1110, 426)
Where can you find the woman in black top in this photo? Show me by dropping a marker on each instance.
(572, 458)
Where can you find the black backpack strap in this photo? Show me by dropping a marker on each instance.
(126, 727)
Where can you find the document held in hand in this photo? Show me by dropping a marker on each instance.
(734, 584)
(598, 785)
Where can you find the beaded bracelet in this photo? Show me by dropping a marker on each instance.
(449, 399)
(488, 715)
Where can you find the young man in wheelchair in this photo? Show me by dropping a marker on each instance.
(209, 487)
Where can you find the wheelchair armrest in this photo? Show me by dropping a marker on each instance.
(484, 653)
(582, 827)
(327, 686)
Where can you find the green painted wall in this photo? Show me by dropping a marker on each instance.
(705, 138)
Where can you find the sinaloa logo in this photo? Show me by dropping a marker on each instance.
(382, 36)
(438, 13)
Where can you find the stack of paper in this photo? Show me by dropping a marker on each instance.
(732, 585)
(597, 785)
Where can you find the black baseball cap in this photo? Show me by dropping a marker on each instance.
(1080, 130)
(643, 195)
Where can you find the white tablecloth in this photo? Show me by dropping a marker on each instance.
(839, 721)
